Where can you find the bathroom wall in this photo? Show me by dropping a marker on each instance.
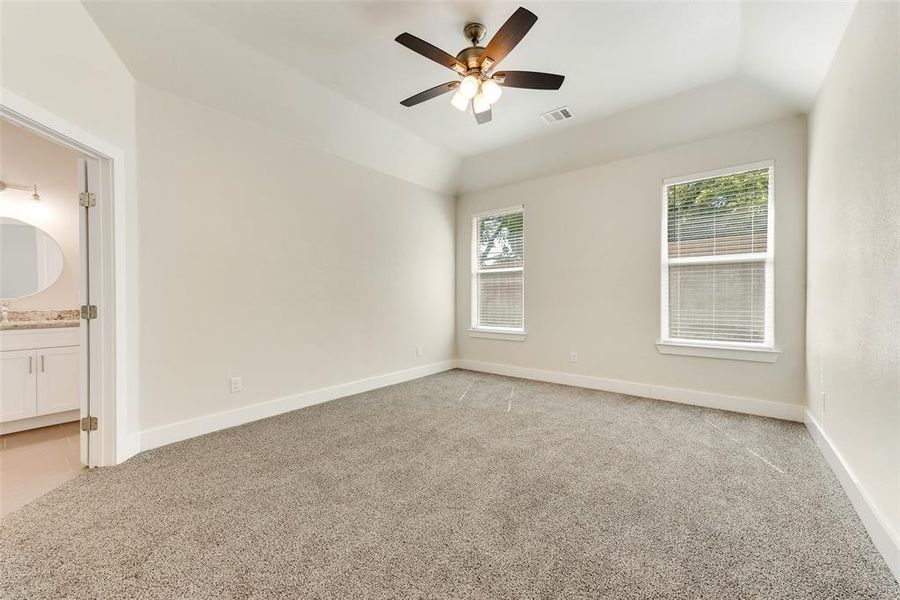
(26, 158)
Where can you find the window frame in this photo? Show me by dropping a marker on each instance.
(476, 330)
(752, 351)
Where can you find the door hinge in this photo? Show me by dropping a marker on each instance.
(88, 311)
(87, 199)
(89, 424)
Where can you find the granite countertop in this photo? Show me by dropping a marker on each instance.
(40, 319)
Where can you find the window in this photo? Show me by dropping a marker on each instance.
(717, 261)
(498, 272)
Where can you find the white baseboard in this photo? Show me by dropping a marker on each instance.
(764, 408)
(128, 446)
(182, 430)
(886, 541)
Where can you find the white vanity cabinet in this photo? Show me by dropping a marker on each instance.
(18, 385)
(57, 379)
(39, 378)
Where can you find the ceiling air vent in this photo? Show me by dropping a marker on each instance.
(557, 114)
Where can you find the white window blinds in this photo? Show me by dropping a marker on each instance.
(718, 258)
(498, 270)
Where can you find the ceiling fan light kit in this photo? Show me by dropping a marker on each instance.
(481, 87)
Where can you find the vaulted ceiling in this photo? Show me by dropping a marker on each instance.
(615, 55)
(335, 65)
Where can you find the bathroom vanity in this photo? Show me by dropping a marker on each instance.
(39, 377)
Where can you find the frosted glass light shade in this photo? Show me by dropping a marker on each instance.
(480, 104)
(469, 86)
(491, 91)
(459, 101)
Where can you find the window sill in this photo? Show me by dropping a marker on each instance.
(497, 334)
(765, 355)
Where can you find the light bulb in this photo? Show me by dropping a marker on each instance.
(459, 100)
(480, 104)
(469, 86)
(491, 91)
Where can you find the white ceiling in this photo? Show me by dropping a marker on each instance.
(615, 55)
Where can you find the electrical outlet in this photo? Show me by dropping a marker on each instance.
(419, 352)
(573, 357)
(237, 383)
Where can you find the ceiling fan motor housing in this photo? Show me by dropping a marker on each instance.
(470, 57)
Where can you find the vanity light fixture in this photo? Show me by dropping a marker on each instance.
(25, 188)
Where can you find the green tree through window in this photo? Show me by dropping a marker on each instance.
(500, 241)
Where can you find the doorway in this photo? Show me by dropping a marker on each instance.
(42, 348)
(96, 359)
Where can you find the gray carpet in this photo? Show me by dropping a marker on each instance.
(459, 485)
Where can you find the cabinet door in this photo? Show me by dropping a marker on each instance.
(17, 385)
(57, 379)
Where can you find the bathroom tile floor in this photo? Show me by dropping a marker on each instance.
(34, 462)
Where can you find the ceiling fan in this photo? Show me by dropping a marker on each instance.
(480, 86)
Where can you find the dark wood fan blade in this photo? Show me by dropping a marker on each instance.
(432, 52)
(531, 80)
(483, 117)
(508, 36)
(430, 93)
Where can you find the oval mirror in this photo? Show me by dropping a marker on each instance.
(30, 260)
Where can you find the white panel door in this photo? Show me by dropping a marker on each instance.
(58, 381)
(17, 385)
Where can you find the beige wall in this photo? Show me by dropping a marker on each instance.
(266, 259)
(26, 158)
(592, 280)
(853, 347)
(703, 112)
